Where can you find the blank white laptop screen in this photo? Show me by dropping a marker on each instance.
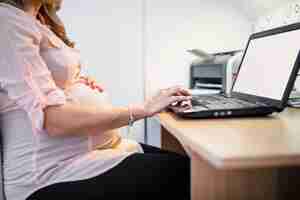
(268, 64)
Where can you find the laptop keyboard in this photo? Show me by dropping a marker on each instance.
(217, 102)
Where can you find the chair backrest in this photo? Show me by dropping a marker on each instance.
(2, 194)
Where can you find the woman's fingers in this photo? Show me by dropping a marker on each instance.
(91, 82)
(180, 109)
(184, 92)
(178, 91)
(100, 89)
(178, 99)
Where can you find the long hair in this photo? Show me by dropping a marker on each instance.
(53, 22)
(55, 25)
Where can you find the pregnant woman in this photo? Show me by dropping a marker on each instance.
(60, 134)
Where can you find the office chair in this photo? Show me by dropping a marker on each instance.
(2, 194)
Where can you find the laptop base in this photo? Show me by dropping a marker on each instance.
(245, 112)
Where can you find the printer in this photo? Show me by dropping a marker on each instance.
(215, 72)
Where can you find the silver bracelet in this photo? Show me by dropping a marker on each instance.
(131, 120)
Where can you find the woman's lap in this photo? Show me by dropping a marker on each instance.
(154, 174)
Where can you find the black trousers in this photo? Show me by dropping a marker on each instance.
(156, 174)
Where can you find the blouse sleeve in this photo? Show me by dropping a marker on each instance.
(24, 75)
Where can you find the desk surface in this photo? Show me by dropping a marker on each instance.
(241, 142)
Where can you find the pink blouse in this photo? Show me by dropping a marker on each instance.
(35, 67)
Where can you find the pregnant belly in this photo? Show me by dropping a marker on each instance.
(85, 95)
(88, 96)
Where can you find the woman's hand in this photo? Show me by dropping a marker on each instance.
(176, 96)
(91, 82)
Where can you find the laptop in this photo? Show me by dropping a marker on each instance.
(265, 78)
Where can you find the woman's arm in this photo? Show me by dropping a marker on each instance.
(70, 119)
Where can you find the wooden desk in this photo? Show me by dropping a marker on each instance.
(244, 158)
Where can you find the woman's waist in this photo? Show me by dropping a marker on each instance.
(42, 149)
(21, 143)
(25, 160)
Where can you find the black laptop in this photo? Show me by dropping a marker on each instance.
(265, 80)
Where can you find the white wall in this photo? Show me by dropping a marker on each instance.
(256, 8)
(289, 13)
(109, 36)
(173, 26)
